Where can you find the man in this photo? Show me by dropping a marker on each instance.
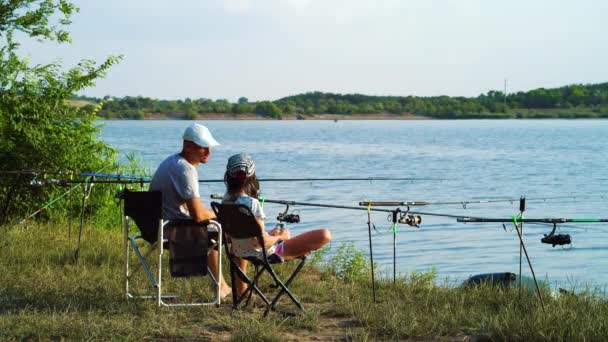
(177, 179)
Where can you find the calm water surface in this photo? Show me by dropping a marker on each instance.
(480, 160)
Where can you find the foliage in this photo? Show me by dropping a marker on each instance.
(39, 130)
(266, 108)
(573, 101)
(348, 264)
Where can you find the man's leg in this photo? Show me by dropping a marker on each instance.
(212, 261)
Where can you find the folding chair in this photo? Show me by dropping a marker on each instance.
(239, 222)
(145, 209)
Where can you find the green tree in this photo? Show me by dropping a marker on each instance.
(242, 108)
(189, 113)
(39, 130)
(577, 95)
(267, 108)
(222, 106)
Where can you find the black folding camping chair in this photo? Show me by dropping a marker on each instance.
(238, 222)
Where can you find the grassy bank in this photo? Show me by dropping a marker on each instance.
(46, 295)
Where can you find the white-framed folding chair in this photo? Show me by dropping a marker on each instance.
(188, 242)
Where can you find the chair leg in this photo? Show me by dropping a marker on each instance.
(251, 288)
(236, 271)
(285, 287)
(143, 262)
(233, 285)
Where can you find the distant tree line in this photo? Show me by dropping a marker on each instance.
(590, 100)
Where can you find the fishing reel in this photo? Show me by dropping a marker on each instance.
(556, 239)
(289, 218)
(410, 220)
(559, 239)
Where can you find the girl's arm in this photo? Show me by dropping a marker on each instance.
(272, 239)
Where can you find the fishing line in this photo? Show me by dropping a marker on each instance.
(85, 196)
(569, 227)
(371, 251)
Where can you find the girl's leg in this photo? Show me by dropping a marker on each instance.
(305, 243)
(241, 286)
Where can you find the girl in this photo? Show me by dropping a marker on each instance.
(242, 187)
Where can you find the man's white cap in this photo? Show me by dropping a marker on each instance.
(200, 135)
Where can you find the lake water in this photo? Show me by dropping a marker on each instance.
(479, 159)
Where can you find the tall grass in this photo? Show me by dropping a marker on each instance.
(46, 295)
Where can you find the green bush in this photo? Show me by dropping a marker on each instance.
(349, 264)
(39, 129)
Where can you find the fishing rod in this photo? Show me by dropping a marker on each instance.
(33, 172)
(118, 179)
(118, 176)
(370, 179)
(49, 203)
(66, 182)
(87, 187)
(464, 203)
(139, 178)
(551, 238)
(466, 219)
(322, 205)
(518, 221)
(397, 216)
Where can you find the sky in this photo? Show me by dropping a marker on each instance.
(269, 49)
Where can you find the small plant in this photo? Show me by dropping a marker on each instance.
(422, 279)
(349, 264)
(316, 257)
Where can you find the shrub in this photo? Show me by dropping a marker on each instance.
(349, 264)
(39, 129)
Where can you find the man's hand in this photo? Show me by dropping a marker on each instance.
(197, 210)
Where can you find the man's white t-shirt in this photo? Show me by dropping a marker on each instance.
(178, 181)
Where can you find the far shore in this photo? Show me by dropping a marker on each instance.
(519, 115)
(253, 116)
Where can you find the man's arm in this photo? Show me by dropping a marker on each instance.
(197, 210)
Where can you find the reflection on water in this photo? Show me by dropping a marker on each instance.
(478, 159)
